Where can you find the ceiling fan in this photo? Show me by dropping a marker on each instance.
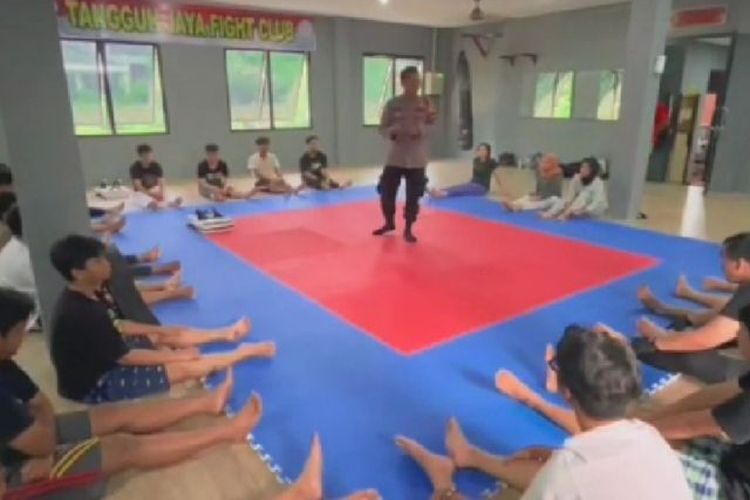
(477, 14)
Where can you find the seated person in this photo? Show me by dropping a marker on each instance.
(40, 447)
(313, 166)
(148, 181)
(484, 168)
(697, 352)
(698, 425)
(265, 166)
(691, 317)
(587, 196)
(549, 178)
(599, 377)
(213, 174)
(95, 348)
(16, 271)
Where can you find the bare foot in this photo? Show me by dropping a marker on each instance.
(459, 448)
(309, 485)
(711, 284)
(185, 293)
(551, 383)
(247, 419)
(437, 193)
(115, 226)
(510, 385)
(117, 209)
(175, 281)
(364, 495)
(647, 298)
(438, 468)
(220, 397)
(608, 330)
(347, 184)
(176, 203)
(239, 330)
(683, 287)
(508, 205)
(546, 216)
(649, 329)
(152, 255)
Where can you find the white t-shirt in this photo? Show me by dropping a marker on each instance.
(264, 167)
(626, 460)
(15, 267)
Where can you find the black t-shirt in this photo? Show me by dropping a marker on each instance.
(734, 419)
(216, 177)
(85, 343)
(482, 172)
(16, 390)
(739, 301)
(313, 164)
(148, 175)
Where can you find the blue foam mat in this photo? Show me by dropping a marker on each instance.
(332, 379)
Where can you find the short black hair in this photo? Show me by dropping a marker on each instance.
(12, 219)
(72, 252)
(311, 138)
(212, 148)
(15, 308)
(262, 141)
(601, 372)
(142, 149)
(6, 175)
(7, 200)
(409, 71)
(737, 247)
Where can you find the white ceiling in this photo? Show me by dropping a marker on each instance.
(439, 13)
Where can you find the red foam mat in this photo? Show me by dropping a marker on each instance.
(464, 274)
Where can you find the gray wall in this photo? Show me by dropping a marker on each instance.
(196, 95)
(592, 39)
(700, 59)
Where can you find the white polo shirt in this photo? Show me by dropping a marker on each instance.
(626, 460)
(15, 267)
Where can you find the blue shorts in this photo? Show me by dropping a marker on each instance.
(129, 382)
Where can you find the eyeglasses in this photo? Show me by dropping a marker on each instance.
(552, 363)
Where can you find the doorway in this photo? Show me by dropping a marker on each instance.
(692, 94)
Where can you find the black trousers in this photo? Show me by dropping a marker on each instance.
(710, 367)
(390, 181)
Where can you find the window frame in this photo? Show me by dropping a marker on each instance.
(555, 86)
(100, 51)
(269, 79)
(617, 90)
(394, 77)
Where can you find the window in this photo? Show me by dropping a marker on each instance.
(610, 95)
(554, 95)
(114, 88)
(380, 78)
(268, 90)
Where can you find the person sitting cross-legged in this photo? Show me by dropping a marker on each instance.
(39, 449)
(265, 166)
(600, 378)
(147, 176)
(313, 166)
(97, 352)
(587, 195)
(213, 175)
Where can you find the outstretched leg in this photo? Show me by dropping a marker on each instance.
(123, 451)
(508, 384)
(195, 370)
(515, 471)
(150, 416)
(649, 300)
(188, 337)
(439, 469)
(685, 291)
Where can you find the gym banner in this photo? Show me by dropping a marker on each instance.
(160, 21)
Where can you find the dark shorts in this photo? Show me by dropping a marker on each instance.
(129, 382)
(76, 473)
